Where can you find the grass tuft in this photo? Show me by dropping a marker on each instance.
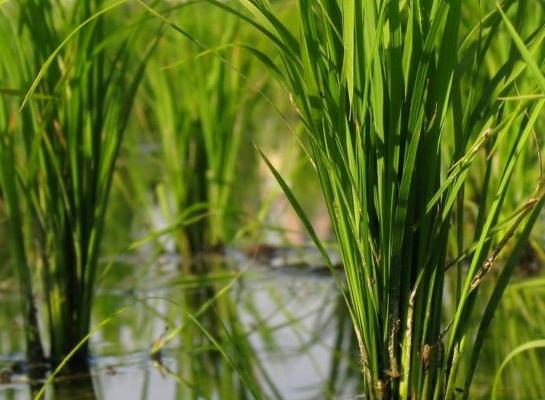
(397, 113)
(59, 154)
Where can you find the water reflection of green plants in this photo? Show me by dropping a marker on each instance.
(24, 379)
(379, 86)
(80, 387)
(200, 107)
(215, 358)
(344, 369)
(59, 154)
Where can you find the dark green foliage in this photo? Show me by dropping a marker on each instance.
(381, 87)
(59, 154)
(200, 100)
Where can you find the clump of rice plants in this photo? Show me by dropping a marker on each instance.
(200, 99)
(380, 85)
(58, 155)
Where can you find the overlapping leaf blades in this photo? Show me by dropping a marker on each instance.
(393, 125)
(60, 156)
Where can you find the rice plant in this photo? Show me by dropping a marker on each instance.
(58, 155)
(380, 85)
(200, 97)
(529, 171)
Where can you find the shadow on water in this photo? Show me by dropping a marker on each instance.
(80, 388)
(19, 381)
(274, 334)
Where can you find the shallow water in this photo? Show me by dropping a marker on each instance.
(275, 328)
(280, 332)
